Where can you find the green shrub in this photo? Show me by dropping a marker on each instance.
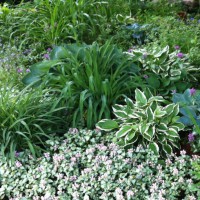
(90, 79)
(145, 122)
(79, 166)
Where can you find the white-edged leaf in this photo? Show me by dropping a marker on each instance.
(167, 148)
(123, 131)
(107, 124)
(140, 98)
(154, 147)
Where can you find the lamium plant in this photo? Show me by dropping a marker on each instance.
(146, 122)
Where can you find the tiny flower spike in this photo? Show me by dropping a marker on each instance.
(19, 70)
(180, 55)
(176, 47)
(191, 137)
(28, 70)
(192, 91)
(49, 49)
(145, 76)
(46, 56)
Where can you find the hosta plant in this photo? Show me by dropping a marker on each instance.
(145, 122)
(164, 71)
(189, 103)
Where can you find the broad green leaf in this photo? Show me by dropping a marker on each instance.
(151, 131)
(154, 147)
(153, 81)
(130, 135)
(107, 124)
(173, 133)
(179, 125)
(150, 115)
(121, 114)
(123, 131)
(59, 52)
(141, 99)
(162, 127)
(167, 149)
(159, 113)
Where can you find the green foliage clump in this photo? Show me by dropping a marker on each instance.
(27, 118)
(86, 165)
(90, 79)
(146, 122)
(165, 71)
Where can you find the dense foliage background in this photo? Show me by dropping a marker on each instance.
(102, 91)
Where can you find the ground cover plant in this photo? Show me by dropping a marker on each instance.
(87, 165)
(128, 71)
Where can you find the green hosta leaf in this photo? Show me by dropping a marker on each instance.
(121, 114)
(167, 149)
(59, 53)
(154, 147)
(169, 108)
(150, 115)
(131, 141)
(129, 103)
(151, 131)
(153, 81)
(162, 127)
(175, 144)
(175, 72)
(175, 119)
(32, 79)
(141, 99)
(161, 137)
(107, 124)
(175, 112)
(130, 135)
(156, 98)
(159, 113)
(147, 137)
(179, 125)
(173, 133)
(143, 127)
(123, 131)
(140, 114)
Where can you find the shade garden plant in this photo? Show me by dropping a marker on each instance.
(99, 101)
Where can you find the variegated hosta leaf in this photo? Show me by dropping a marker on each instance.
(140, 98)
(159, 113)
(123, 131)
(169, 108)
(156, 98)
(162, 127)
(150, 114)
(151, 131)
(107, 124)
(178, 125)
(154, 147)
(130, 135)
(173, 133)
(120, 114)
(167, 149)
